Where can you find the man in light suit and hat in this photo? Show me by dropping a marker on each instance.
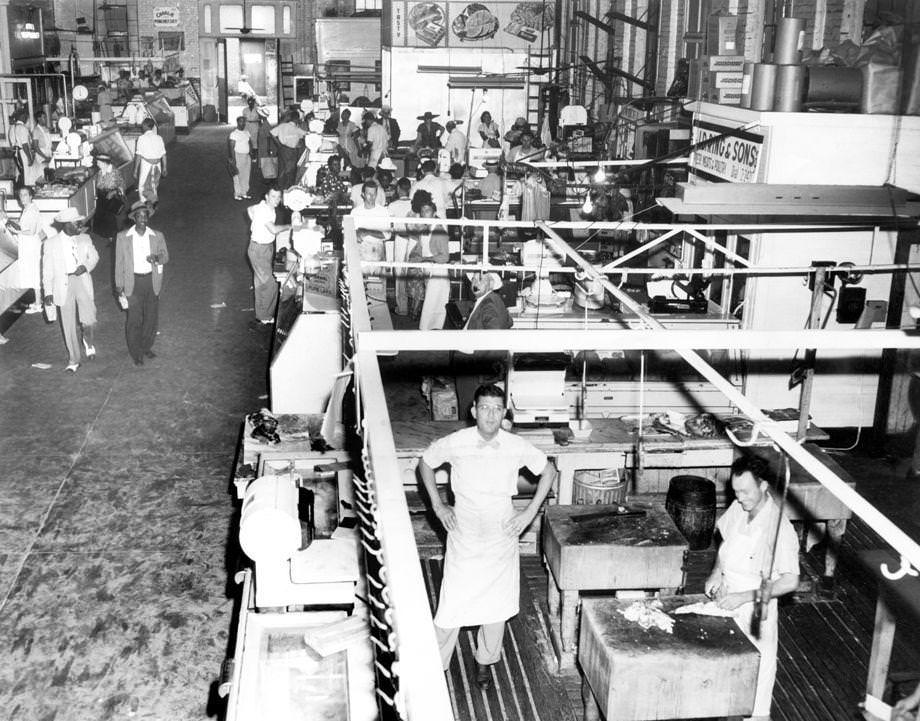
(140, 254)
(390, 127)
(428, 134)
(68, 258)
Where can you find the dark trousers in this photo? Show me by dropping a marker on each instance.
(141, 326)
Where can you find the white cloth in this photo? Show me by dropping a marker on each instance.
(242, 141)
(743, 556)
(29, 244)
(481, 570)
(141, 249)
(377, 137)
(262, 215)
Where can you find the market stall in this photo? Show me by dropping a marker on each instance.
(185, 105)
(153, 105)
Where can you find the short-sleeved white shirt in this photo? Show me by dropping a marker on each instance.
(262, 215)
(150, 146)
(241, 140)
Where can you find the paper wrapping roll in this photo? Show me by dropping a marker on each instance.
(790, 36)
(790, 84)
(747, 82)
(269, 524)
(763, 86)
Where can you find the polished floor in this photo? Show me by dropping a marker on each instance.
(117, 526)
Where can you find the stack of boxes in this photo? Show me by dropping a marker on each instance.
(717, 76)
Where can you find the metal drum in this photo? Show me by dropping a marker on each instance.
(790, 37)
(747, 82)
(790, 85)
(691, 501)
(763, 86)
(833, 86)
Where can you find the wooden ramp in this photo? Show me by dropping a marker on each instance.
(522, 688)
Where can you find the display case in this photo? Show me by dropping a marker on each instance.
(158, 108)
(185, 104)
(77, 188)
(112, 143)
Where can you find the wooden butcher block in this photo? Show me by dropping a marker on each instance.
(591, 547)
(707, 667)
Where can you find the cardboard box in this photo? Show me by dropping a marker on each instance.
(727, 80)
(444, 403)
(726, 63)
(722, 35)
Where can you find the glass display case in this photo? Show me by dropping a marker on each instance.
(112, 143)
(185, 104)
(156, 107)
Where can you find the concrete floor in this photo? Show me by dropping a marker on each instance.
(115, 598)
(117, 527)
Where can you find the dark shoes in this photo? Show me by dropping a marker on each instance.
(138, 361)
(483, 676)
(150, 354)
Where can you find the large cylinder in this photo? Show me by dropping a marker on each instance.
(790, 36)
(833, 86)
(763, 86)
(604, 486)
(691, 501)
(747, 82)
(790, 84)
(269, 525)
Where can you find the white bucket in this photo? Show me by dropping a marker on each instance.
(269, 524)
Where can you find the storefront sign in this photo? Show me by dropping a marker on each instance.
(166, 17)
(735, 158)
(492, 24)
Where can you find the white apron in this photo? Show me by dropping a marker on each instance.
(741, 572)
(437, 293)
(481, 568)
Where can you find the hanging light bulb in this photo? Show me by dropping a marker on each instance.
(588, 206)
(600, 176)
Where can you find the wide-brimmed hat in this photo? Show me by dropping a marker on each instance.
(140, 205)
(427, 116)
(69, 215)
(386, 164)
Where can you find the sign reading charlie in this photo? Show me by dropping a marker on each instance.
(165, 17)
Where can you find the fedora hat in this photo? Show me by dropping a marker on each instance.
(140, 205)
(386, 164)
(427, 116)
(68, 215)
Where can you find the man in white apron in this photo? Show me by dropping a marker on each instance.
(481, 584)
(747, 529)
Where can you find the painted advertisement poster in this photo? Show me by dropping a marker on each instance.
(735, 158)
(465, 24)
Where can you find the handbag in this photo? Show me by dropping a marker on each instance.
(269, 167)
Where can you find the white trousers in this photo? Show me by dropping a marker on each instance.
(488, 643)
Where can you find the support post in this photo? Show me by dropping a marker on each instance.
(814, 322)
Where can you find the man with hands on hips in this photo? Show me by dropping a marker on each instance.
(481, 583)
(748, 529)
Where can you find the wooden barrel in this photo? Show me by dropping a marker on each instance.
(691, 501)
(603, 485)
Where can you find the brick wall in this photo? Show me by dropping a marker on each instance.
(188, 23)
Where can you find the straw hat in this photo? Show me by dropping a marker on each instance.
(427, 116)
(137, 206)
(386, 164)
(69, 215)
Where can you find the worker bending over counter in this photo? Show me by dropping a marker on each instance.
(747, 566)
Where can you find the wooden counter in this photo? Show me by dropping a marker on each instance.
(587, 551)
(706, 667)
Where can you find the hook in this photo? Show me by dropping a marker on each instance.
(905, 570)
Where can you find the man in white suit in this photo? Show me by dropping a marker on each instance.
(68, 259)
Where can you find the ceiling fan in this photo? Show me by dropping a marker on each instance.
(245, 30)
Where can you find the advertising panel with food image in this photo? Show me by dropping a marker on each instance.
(427, 24)
(517, 25)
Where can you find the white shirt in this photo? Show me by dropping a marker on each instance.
(150, 146)
(262, 215)
(438, 190)
(456, 145)
(241, 141)
(140, 243)
(71, 259)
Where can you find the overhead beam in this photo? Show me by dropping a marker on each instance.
(604, 75)
(614, 15)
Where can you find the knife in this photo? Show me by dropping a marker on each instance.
(624, 513)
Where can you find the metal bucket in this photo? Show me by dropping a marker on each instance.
(599, 486)
(763, 86)
(790, 84)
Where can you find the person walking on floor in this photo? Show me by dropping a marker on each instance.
(68, 258)
(140, 254)
(262, 233)
(149, 162)
(481, 585)
(240, 159)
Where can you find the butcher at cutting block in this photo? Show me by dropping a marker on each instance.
(481, 585)
(749, 529)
